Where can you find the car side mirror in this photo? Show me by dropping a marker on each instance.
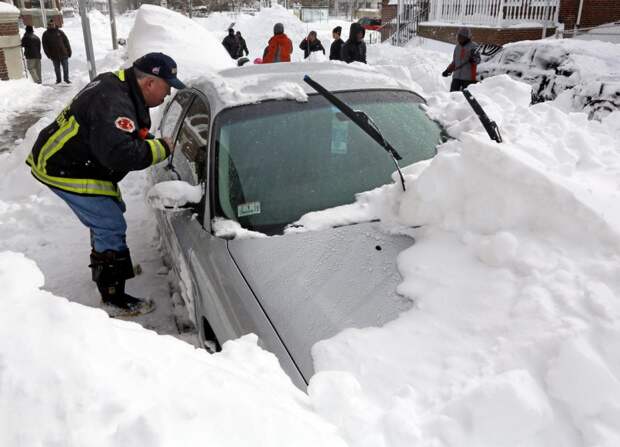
(174, 195)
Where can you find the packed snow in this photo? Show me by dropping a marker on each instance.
(173, 194)
(513, 338)
(72, 376)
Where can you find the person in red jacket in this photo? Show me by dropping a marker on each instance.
(280, 46)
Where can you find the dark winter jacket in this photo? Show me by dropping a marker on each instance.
(352, 50)
(231, 43)
(311, 47)
(335, 51)
(98, 138)
(32, 46)
(56, 45)
(465, 61)
(243, 48)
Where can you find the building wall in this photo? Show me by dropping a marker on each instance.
(497, 36)
(11, 65)
(598, 12)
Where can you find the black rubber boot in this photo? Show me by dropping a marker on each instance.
(110, 270)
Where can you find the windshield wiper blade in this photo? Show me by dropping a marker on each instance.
(489, 125)
(362, 120)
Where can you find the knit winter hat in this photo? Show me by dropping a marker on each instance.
(464, 31)
(278, 28)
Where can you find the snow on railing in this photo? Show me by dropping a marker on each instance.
(494, 12)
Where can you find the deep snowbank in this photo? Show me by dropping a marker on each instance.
(514, 336)
(69, 375)
(194, 49)
(257, 29)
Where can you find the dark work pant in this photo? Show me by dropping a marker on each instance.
(460, 84)
(65, 69)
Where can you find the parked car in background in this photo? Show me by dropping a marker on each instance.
(264, 149)
(370, 23)
(554, 66)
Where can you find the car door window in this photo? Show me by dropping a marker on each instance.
(190, 156)
(173, 114)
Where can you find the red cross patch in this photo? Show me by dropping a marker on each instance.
(125, 124)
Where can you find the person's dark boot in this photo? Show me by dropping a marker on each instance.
(110, 270)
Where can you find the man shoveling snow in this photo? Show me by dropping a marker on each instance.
(100, 137)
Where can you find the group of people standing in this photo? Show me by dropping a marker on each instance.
(280, 46)
(55, 46)
(353, 50)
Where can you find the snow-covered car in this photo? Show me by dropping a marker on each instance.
(263, 149)
(589, 69)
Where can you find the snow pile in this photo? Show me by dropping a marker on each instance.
(19, 95)
(173, 194)
(419, 67)
(195, 50)
(514, 335)
(609, 32)
(230, 229)
(8, 8)
(257, 29)
(590, 71)
(82, 378)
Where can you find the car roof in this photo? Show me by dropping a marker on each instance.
(262, 82)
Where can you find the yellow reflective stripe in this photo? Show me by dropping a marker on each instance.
(57, 141)
(69, 130)
(158, 151)
(79, 186)
(120, 74)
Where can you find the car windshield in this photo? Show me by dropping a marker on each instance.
(278, 160)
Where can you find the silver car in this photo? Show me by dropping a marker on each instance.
(267, 150)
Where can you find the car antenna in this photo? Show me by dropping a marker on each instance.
(364, 122)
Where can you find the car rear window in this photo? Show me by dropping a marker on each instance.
(278, 160)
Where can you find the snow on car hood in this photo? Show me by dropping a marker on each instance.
(313, 285)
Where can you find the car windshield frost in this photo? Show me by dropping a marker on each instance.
(279, 160)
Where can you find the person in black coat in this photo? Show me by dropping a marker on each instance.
(243, 48)
(354, 50)
(336, 49)
(311, 44)
(32, 50)
(231, 43)
(57, 48)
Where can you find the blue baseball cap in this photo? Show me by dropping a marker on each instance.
(160, 65)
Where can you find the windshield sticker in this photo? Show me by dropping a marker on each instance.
(340, 135)
(248, 209)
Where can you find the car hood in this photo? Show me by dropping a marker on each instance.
(313, 285)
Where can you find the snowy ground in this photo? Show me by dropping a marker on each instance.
(513, 339)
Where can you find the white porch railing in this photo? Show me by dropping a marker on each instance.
(499, 13)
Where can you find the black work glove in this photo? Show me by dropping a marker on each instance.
(445, 73)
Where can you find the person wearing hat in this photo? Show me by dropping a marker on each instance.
(98, 138)
(280, 47)
(354, 49)
(32, 50)
(465, 60)
(336, 47)
(57, 48)
(231, 43)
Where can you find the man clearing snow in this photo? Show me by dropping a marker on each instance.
(96, 140)
(464, 62)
